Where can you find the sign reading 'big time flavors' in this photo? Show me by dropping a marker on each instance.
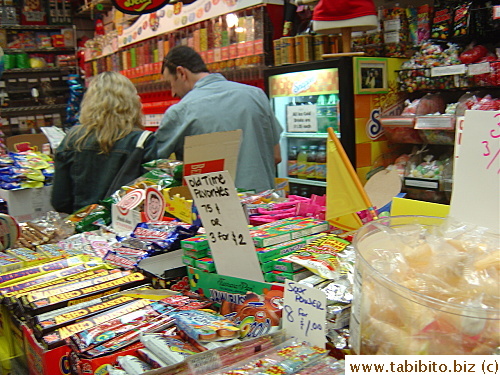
(138, 7)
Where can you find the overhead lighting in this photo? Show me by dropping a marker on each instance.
(231, 19)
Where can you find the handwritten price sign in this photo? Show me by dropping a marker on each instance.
(476, 179)
(304, 313)
(226, 225)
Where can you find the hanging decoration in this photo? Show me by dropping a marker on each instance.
(138, 7)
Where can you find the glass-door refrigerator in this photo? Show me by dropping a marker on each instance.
(307, 98)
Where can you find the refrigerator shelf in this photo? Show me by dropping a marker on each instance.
(307, 182)
(305, 135)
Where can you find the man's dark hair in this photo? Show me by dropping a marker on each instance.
(186, 57)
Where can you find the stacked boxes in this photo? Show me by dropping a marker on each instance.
(272, 242)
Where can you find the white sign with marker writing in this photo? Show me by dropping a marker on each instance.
(476, 177)
(304, 313)
(225, 223)
(301, 118)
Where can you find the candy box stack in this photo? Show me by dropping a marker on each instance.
(252, 306)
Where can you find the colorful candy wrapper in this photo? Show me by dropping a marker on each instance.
(133, 365)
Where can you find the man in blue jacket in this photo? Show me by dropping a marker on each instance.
(210, 103)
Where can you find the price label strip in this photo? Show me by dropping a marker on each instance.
(304, 313)
(226, 226)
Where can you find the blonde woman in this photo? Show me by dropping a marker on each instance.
(91, 153)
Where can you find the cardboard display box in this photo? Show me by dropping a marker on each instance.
(26, 204)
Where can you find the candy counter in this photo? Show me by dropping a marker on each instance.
(81, 296)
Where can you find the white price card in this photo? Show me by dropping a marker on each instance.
(302, 118)
(203, 363)
(476, 177)
(479, 68)
(448, 70)
(304, 313)
(225, 224)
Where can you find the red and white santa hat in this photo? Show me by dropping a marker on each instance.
(329, 16)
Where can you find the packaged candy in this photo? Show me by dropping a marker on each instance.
(169, 349)
(326, 257)
(151, 358)
(442, 21)
(133, 365)
(205, 326)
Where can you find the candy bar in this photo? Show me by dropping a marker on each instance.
(266, 254)
(143, 317)
(170, 350)
(205, 326)
(59, 291)
(43, 268)
(56, 323)
(286, 265)
(133, 365)
(131, 334)
(28, 256)
(280, 277)
(9, 263)
(196, 254)
(114, 371)
(206, 264)
(12, 296)
(90, 292)
(151, 358)
(196, 243)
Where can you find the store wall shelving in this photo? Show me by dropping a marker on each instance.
(33, 87)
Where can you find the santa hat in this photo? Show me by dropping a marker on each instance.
(330, 16)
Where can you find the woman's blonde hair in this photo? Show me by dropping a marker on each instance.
(110, 110)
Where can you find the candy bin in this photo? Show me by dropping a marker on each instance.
(425, 285)
(399, 129)
(423, 177)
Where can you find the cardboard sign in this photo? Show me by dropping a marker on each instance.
(476, 176)
(212, 152)
(226, 226)
(301, 118)
(304, 313)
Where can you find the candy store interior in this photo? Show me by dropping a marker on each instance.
(380, 238)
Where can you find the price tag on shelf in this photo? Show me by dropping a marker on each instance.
(448, 70)
(480, 68)
(304, 313)
(435, 122)
(496, 12)
(301, 118)
(421, 183)
(225, 224)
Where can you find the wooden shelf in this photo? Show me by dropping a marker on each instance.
(34, 109)
(39, 70)
(39, 50)
(35, 27)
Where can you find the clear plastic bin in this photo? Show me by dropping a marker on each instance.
(423, 286)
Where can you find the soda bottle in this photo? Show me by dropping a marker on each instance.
(321, 163)
(302, 162)
(311, 162)
(292, 162)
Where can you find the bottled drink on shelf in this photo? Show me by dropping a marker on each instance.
(321, 163)
(311, 162)
(302, 162)
(292, 162)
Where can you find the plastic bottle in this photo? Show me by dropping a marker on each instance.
(302, 162)
(311, 162)
(292, 161)
(321, 163)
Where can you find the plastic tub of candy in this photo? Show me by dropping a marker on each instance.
(400, 129)
(425, 285)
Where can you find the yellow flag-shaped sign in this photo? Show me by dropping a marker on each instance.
(344, 192)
